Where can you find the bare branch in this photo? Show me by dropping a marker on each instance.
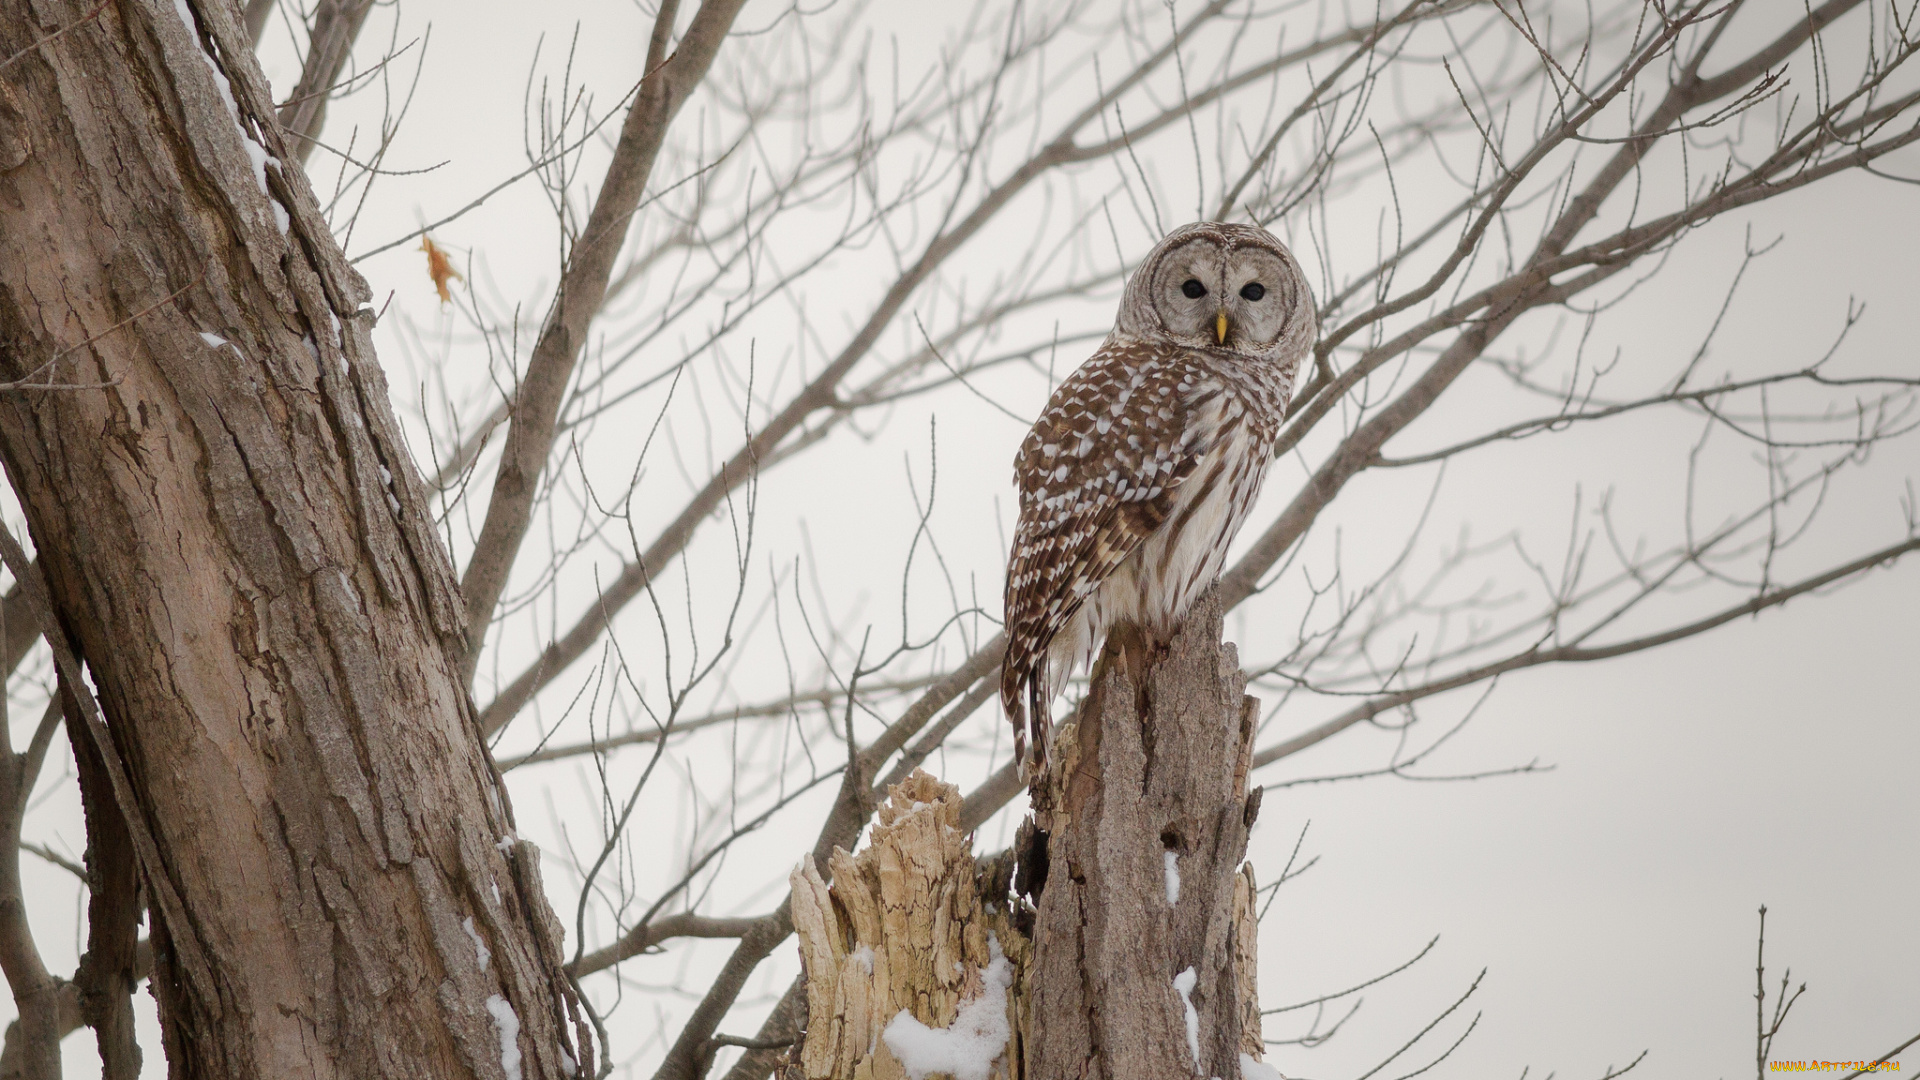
(1573, 654)
(664, 88)
(336, 24)
(647, 936)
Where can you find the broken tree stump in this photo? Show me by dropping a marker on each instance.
(1143, 945)
(910, 972)
(1140, 956)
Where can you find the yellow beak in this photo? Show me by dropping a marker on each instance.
(1220, 326)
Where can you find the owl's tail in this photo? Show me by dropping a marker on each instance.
(1013, 686)
(1023, 694)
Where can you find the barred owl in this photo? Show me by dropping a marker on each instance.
(1146, 460)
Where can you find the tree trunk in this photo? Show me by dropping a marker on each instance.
(238, 546)
(1143, 944)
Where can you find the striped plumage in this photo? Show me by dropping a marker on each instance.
(1147, 459)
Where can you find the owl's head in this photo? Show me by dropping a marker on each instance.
(1216, 285)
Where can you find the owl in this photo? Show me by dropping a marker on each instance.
(1147, 458)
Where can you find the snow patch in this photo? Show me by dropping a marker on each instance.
(505, 843)
(216, 343)
(567, 1060)
(340, 337)
(386, 478)
(967, 1049)
(480, 949)
(1183, 985)
(1173, 878)
(1257, 1070)
(256, 153)
(507, 1022)
(864, 954)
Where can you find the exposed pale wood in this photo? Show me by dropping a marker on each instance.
(903, 927)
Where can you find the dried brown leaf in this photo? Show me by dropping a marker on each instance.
(439, 268)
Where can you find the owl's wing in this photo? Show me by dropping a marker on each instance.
(1097, 476)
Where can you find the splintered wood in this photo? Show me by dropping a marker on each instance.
(904, 963)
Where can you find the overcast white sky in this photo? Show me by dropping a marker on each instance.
(1612, 899)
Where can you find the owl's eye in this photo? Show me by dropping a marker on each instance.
(1192, 289)
(1253, 290)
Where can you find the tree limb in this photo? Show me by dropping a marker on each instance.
(668, 81)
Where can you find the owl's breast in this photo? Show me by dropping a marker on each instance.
(1182, 558)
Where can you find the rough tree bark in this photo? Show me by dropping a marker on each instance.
(237, 545)
(1143, 942)
(1138, 960)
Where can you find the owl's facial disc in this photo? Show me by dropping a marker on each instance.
(1209, 294)
(1221, 286)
